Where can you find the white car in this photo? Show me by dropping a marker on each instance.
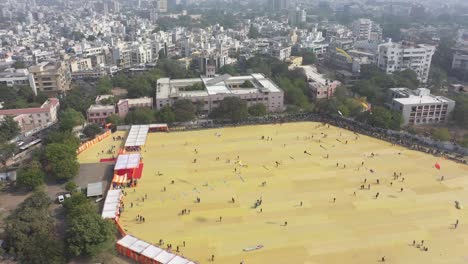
(62, 198)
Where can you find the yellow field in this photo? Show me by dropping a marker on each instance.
(355, 229)
(94, 153)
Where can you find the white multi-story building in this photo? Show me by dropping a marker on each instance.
(366, 29)
(395, 57)
(253, 89)
(419, 107)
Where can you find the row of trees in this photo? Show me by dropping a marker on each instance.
(293, 82)
(58, 160)
(30, 230)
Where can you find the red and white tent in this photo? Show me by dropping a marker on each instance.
(143, 252)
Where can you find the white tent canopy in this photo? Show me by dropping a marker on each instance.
(137, 136)
(151, 252)
(127, 161)
(111, 204)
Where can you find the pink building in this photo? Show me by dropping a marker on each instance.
(323, 91)
(125, 105)
(98, 114)
(34, 119)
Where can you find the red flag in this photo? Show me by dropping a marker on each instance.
(437, 165)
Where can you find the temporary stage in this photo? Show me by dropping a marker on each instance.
(143, 252)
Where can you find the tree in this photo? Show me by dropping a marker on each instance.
(253, 32)
(30, 176)
(184, 110)
(70, 118)
(19, 65)
(165, 115)
(71, 186)
(232, 108)
(92, 130)
(382, 117)
(228, 69)
(104, 86)
(140, 116)
(437, 79)
(61, 161)
(87, 233)
(441, 134)
(63, 137)
(9, 129)
(257, 110)
(308, 57)
(115, 120)
(6, 152)
(460, 115)
(29, 232)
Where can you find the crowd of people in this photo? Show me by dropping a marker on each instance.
(455, 153)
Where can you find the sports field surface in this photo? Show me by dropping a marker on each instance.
(286, 168)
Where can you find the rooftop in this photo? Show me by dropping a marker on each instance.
(45, 108)
(218, 85)
(96, 107)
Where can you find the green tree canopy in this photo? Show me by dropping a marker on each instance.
(232, 108)
(460, 113)
(253, 32)
(63, 137)
(9, 129)
(29, 232)
(140, 116)
(30, 176)
(70, 118)
(19, 65)
(61, 161)
(87, 233)
(184, 110)
(104, 86)
(383, 118)
(165, 115)
(92, 130)
(441, 134)
(115, 120)
(257, 110)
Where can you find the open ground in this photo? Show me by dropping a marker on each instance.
(297, 170)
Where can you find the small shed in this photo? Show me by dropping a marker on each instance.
(94, 189)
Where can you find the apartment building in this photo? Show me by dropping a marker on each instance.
(51, 77)
(394, 57)
(126, 105)
(460, 58)
(34, 119)
(366, 29)
(419, 107)
(18, 77)
(80, 64)
(98, 114)
(253, 89)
